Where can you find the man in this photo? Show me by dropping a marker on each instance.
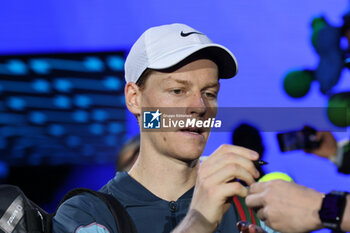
(338, 153)
(289, 207)
(167, 189)
(307, 209)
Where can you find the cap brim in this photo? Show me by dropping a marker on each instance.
(225, 60)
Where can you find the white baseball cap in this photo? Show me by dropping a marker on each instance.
(165, 46)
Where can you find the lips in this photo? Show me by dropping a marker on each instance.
(193, 130)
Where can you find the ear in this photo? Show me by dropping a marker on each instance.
(133, 98)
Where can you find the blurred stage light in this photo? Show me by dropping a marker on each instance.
(61, 108)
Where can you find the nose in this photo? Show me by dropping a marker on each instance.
(197, 105)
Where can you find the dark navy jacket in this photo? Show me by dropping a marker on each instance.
(87, 214)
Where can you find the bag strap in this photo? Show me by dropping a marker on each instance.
(244, 213)
(35, 219)
(122, 219)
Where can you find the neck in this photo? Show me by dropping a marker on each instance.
(164, 176)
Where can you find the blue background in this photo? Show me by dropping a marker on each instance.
(269, 38)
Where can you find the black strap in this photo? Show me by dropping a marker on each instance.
(122, 219)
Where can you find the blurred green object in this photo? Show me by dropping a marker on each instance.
(317, 24)
(338, 109)
(297, 83)
(276, 176)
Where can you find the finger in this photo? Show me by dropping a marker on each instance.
(231, 172)
(228, 190)
(258, 187)
(217, 164)
(261, 214)
(255, 200)
(247, 153)
(244, 162)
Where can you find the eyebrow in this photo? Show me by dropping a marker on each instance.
(184, 82)
(214, 84)
(188, 83)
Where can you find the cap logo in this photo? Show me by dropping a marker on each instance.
(183, 34)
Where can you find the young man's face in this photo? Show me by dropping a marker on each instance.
(193, 89)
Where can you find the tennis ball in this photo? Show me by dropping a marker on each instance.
(276, 176)
(297, 83)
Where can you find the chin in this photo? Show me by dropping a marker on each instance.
(185, 146)
(189, 153)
